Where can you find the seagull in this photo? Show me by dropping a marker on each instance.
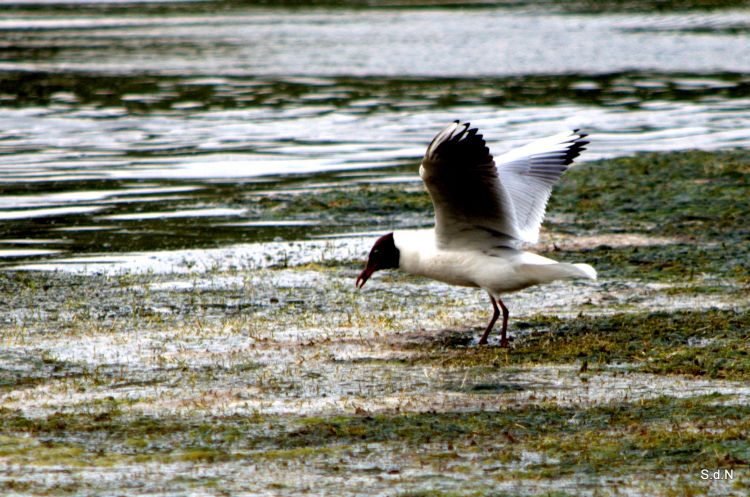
(485, 210)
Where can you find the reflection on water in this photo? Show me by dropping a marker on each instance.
(364, 42)
(165, 128)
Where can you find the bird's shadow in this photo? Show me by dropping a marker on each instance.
(445, 339)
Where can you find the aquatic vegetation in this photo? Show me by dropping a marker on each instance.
(708, 342)
(266, 376)
(522, 444)
(196, 329)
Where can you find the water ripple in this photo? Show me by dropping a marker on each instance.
(164, 129)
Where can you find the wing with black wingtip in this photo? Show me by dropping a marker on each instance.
(530, 172)
(479, 204)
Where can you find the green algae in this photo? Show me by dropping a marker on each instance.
(185, 406)
(711, 343)
(662, 434)
(697, 197)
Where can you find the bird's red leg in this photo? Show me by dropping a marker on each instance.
(495, 315)
(503, 337)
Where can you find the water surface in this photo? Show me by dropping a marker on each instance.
(165, 127)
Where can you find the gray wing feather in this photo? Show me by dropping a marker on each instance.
(529, 174)
(481, 205)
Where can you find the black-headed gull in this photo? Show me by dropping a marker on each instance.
(484, 209)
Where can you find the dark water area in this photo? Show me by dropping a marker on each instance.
(149, 126)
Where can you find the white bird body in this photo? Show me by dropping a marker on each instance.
(497, 271)
(485, 209)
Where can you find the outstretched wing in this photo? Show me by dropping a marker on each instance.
(479, 205)
(471, 205)
(530, 172)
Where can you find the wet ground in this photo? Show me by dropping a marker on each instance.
(260, 370)
(188, 191)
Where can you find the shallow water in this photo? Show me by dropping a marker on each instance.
(125, 131)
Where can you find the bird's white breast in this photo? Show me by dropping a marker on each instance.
(498, 271)
(419, 255)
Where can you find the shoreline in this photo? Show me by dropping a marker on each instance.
(280, 378)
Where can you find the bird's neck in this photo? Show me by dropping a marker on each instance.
(414, 247)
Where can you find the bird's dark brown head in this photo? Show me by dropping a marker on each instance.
(383, 255)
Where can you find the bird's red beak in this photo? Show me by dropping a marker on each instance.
(364, 276)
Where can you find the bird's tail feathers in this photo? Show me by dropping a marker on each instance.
(545, 273)
(588, 271)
